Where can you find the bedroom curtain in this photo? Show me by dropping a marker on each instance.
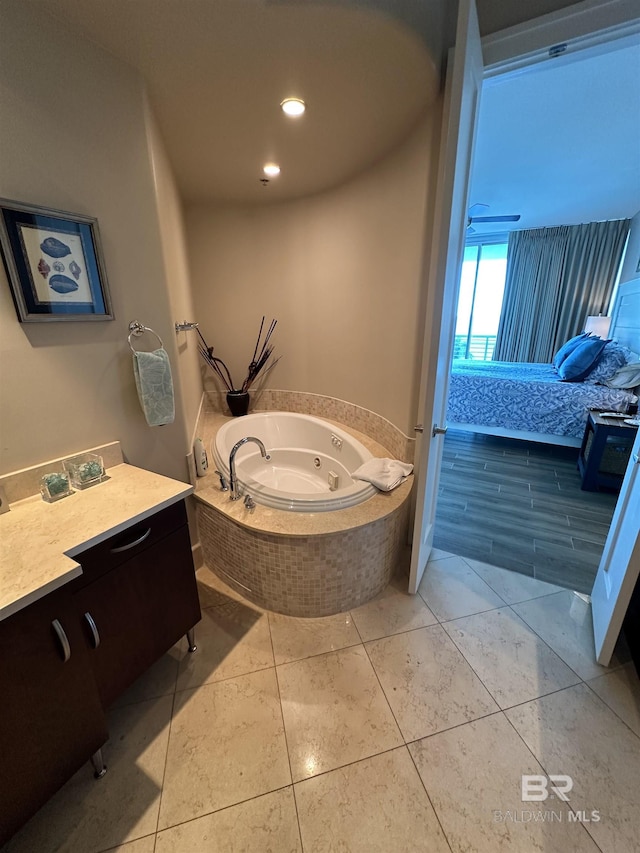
(556, 277)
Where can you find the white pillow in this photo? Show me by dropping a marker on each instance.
(627, 377)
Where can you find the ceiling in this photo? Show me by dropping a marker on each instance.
(217, 70)
(560, 143)
(557, 144)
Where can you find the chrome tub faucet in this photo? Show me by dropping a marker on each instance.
(234, 486)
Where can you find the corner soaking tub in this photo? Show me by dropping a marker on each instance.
(310, 463)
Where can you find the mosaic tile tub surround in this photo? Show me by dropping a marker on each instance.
(302, 564)
(315, 575)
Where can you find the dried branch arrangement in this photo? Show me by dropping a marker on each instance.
(262, 352)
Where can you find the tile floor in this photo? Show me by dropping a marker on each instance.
(405, 725)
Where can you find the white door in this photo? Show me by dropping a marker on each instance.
(620, 564)
(462, 97)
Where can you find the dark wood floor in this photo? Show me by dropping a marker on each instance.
(519, 505)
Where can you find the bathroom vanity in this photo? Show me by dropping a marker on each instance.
(93, 590)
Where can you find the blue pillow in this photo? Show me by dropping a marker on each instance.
(577, 366)
(566, 349)
(612, 359)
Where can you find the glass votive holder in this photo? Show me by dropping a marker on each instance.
(84, 470)
(54, 486)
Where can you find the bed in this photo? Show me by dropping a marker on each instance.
(529, 401)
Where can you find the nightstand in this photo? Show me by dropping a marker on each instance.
(605, 450)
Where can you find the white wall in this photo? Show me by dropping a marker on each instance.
(73, 137)
(171, 221)
(342, 273)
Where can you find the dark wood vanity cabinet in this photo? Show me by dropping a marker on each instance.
(51, 717)
(136, 597)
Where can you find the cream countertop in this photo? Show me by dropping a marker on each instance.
(38, 540)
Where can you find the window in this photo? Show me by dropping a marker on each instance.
(480, 298)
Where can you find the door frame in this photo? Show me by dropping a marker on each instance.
(590, 24)
(463, 88)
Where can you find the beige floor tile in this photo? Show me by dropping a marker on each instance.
(439, 554)
(564, 622)
(233, 639)
(294, 639)
(452, 589)
(392, 612)
(514, 664)
(573, 732)
(511, 586)
(140, 845)
(266, 823)
(620, 689)
(473, 775)
(377, 805)
(227, 744)
(90, 815)
(334, 712)
(213, 591)
(158, 680)
(428, 683)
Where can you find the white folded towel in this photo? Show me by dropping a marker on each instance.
(384, 474)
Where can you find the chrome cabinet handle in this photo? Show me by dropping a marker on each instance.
(438, 430)
(132, 544)
(64, 641)
(94, 629)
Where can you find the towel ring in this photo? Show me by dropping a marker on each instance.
(136, 329)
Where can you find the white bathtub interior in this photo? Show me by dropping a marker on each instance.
(310, 464)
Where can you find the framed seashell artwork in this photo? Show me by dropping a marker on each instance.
(54, 264)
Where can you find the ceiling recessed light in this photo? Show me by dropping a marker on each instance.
(271, 169)
(293, 106)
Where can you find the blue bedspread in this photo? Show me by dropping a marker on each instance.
(525, 397)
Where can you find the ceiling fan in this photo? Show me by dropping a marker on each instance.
(474, 215)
